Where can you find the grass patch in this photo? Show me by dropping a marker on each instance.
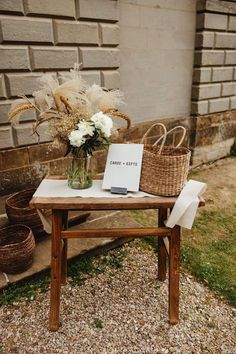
(82, 267)
(208, 251)
(79, 269)
(27, 289)
(98, 323)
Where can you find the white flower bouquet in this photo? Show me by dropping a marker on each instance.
(77, 115)
(90, 134)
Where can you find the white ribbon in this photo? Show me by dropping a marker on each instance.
(186, 205)
(46, 221)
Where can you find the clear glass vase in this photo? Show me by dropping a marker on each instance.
(80, 173)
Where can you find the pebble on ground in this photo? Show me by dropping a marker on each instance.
(122, 311)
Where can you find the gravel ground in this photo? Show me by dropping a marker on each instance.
(122, 311)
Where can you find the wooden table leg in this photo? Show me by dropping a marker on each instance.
(55, 270)
(174, 270)
(162, 215)
(64, 249)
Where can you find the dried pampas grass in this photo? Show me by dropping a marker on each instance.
(95, 97)
(64, 105)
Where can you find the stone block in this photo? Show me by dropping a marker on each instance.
(6, 140)
(232, 102)
(201, 75)
(99, 57)
(14, 158)
(222, 74)
(229, 89)
(228, 130)
(44, 133)
(5, 106)
(225, 40)
(199, 107)
(232, 23)
(23, 134)
(218, 105)
(235, 73)
(207, 121)
(207, 136)
(44, 152)
(2, 87)
(109, 34)
(59, 166)
(201, 92)
(14, 58)
(211, 21)
(22, 84)
(204, 154)
(204, 39)
(53, 58)
(11, 6)
(100, 10)
(209, 57)
(75, 32)
(4, 110)
(230, 57)
(111, 79)
(21, 178)
(90, 76)
(50, 8)
(225, 7)
(15, 29)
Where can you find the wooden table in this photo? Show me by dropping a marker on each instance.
(168, 241)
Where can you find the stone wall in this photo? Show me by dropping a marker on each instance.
(39, 36)
(214, 80)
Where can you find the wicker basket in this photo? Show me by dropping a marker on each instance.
(19, 212)
(164, 169)
(17, 246)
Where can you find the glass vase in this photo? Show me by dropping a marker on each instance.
(80, 173)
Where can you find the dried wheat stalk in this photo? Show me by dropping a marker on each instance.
(66, 103)
(20, 109)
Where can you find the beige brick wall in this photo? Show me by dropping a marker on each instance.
(214, 82)
(50, 36)
(156, 54)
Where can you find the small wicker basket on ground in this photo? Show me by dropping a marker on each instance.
(17, 247)
(19, 212)
(164, 169)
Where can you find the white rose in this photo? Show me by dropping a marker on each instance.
(86, 128)
(103, 122)
(76, 138)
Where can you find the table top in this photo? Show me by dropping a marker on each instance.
(94, 203)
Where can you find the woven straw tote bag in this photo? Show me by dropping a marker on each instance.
(164, 169)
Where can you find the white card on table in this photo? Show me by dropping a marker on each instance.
(123, 166)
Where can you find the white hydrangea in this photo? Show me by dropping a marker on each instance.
(76, 138)
(103, 122)
(86, 127)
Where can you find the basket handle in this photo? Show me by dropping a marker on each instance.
(163, 137)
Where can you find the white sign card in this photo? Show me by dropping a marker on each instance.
(123, 166)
